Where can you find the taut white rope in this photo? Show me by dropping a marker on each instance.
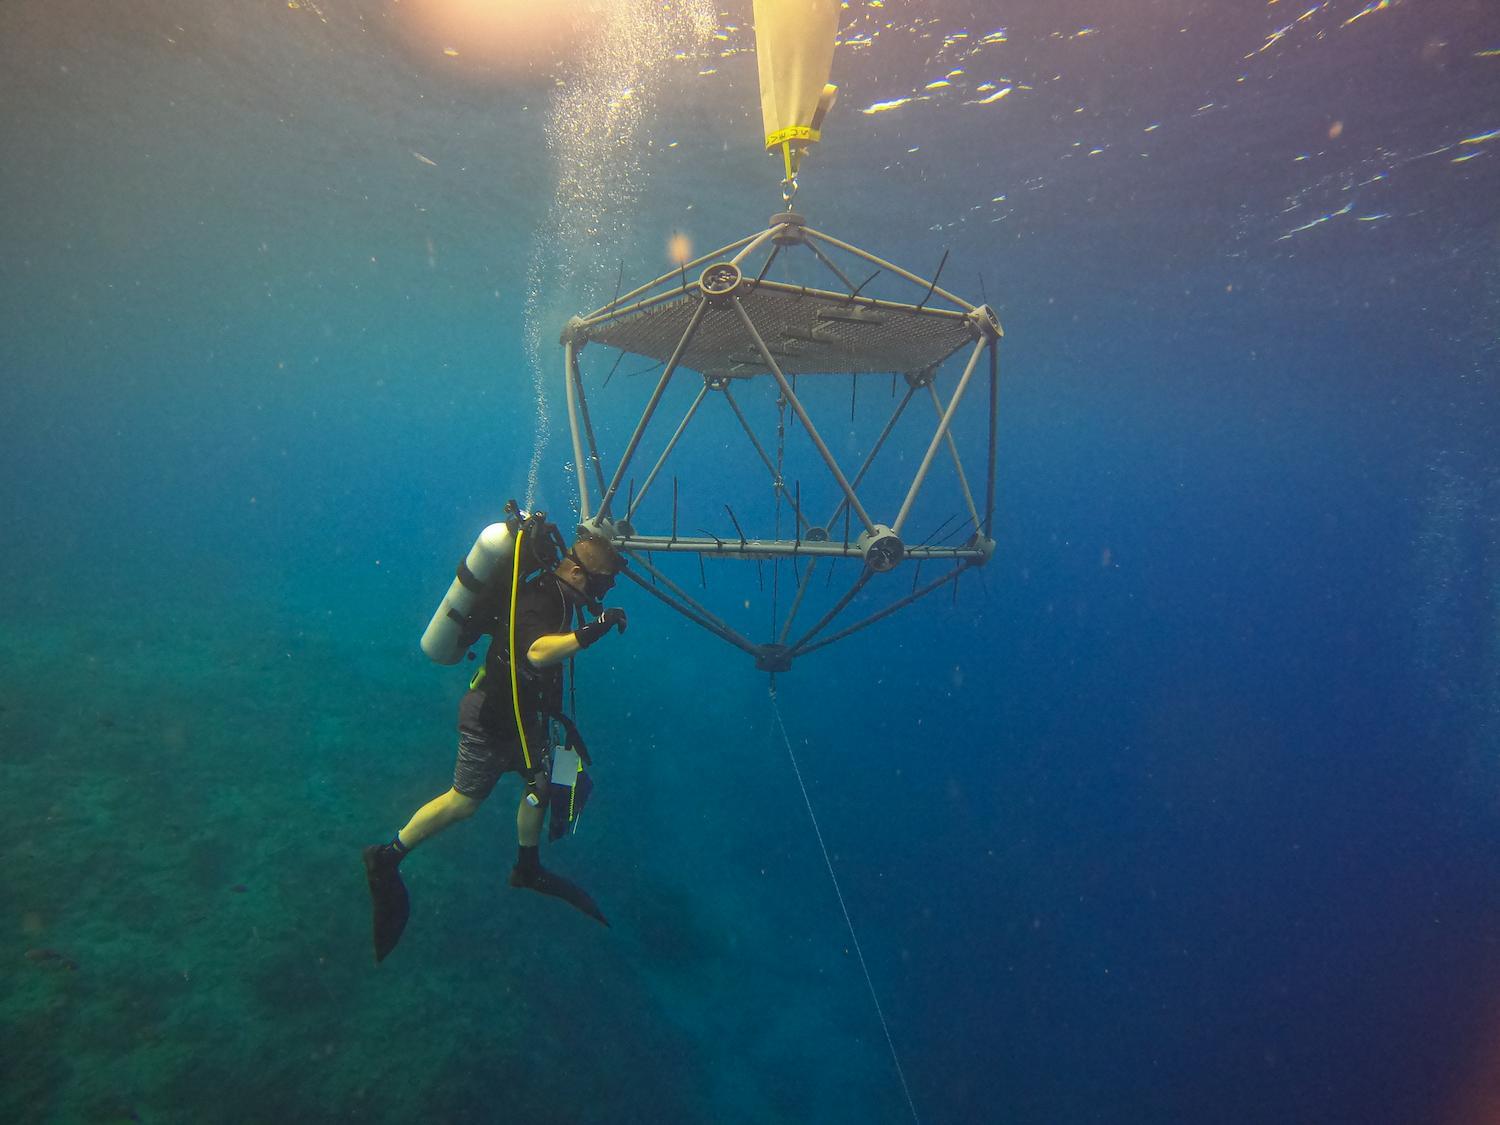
(901, 1074)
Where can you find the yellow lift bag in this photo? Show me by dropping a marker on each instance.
(794, 47)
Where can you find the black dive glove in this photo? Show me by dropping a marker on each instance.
(594, 630)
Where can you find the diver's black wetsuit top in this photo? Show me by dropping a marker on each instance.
(541, 610)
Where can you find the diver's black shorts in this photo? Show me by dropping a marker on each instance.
(484, 756)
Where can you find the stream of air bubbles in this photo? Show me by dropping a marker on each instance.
(593, 140)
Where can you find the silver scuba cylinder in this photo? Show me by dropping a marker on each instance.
(443, 642)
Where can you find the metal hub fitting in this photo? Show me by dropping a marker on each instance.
(922, 378)
(791, 225)
(985, 323)
(882, 549)
(816, 535)
(720, 282)
(773, 658)
(600, 527)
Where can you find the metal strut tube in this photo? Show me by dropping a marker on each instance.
(807, 423)
(731, 548)
(709, 544)
(932, 448)
(989, 496)
(899, 604)
(571, 371)
(833, 296)
(859, 584)
(698, 261)
(756, 243)
(958, 465)
(665, 453)
(874, 449)
(749, 433)
(883, 264)
(797, 601)
(766, 265)
(689, 607)
(755, 441)
(829, 262)
(588, 426)
(661, 386)
(672, 603)
(592, 321)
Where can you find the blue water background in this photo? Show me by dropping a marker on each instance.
(1182, 813)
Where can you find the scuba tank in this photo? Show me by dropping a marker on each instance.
(455, 626)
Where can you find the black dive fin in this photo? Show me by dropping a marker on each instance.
(389, 898)
(546, 882)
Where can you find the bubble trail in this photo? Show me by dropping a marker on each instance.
(592, 137)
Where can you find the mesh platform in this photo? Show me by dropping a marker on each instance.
(806, 331)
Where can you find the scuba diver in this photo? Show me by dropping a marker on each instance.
(504, 718)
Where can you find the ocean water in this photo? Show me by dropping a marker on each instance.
(1183, 810)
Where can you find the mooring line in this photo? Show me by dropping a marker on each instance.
(891, 1043)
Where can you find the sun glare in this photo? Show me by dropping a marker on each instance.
(679, 248)
(505, 39)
